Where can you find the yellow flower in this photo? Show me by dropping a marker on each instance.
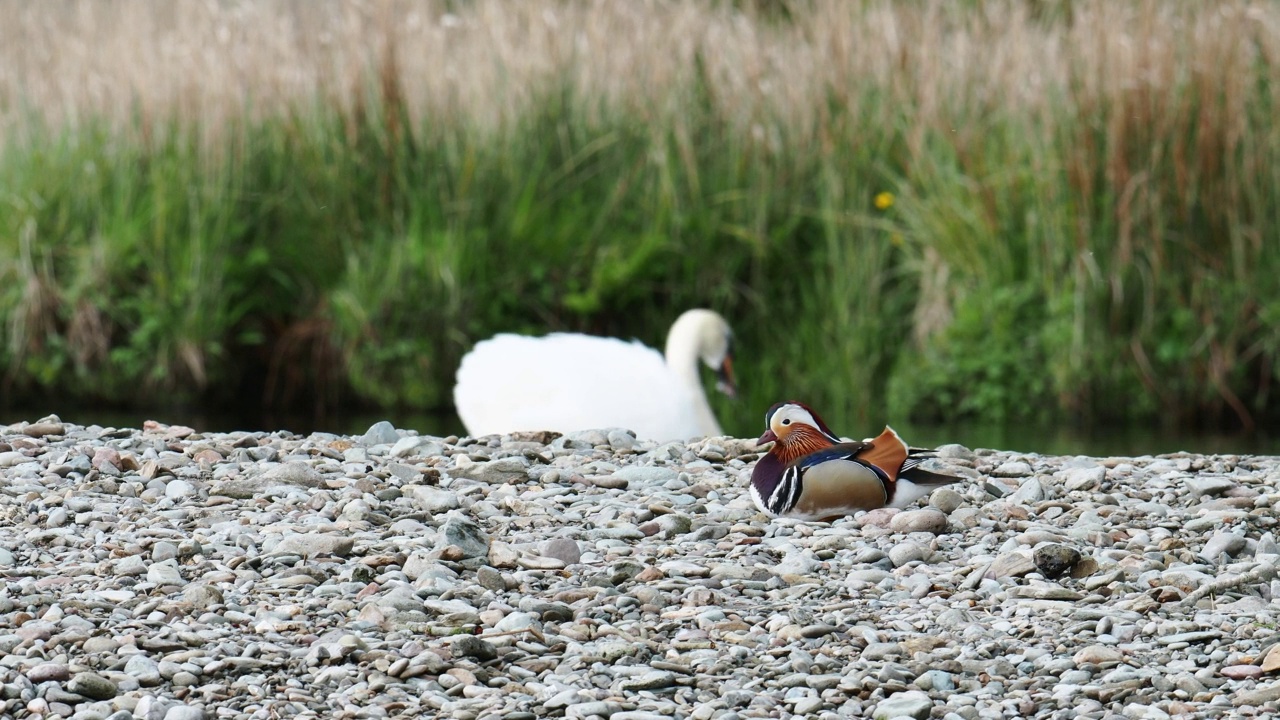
(897, 240)
(884, 201)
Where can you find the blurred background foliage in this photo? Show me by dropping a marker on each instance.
(992, 211)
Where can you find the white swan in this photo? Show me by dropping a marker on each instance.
(568, 382)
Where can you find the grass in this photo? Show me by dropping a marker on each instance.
(317, 203)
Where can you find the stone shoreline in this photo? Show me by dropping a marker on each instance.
(170, 574)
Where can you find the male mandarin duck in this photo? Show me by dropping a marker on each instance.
(810, 474)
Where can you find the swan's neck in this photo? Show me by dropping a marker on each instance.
(682, 360)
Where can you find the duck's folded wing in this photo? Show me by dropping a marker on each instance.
(912, 471)
(835, 482)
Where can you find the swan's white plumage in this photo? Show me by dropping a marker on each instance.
(568, 382)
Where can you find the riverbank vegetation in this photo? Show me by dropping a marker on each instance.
(1000, 210)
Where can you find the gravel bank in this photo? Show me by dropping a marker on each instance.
(169, 574)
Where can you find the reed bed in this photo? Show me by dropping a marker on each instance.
(1001, 210)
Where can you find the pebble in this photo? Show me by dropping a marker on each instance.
(165, 573)
(928, 520)
(314, 544)
(93, 686)
(946, 500)
(178, 490)
(1222, 543)
(45, 672)
(562, 549)
(912, 704)
(462, 532)
(1242, 672)
(1013, 469)
(1055, 560)
(1084, 479)
(184, 712)
(1210, 485)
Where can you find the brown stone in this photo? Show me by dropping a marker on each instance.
(1271, 661)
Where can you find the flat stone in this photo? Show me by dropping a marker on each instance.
(1242, 672)
(1030, 492)
(495, 472)
(812, 632)
(927, 520)
(518, 621)
(597, 708)
(1047, 592)
(1222, 543)
(202, 596)
(12, 458)
(435, 501)
(463, 532)
(1014, 564)
(162, 551)
(905, 552)
(93, 686)
(45, 672)
(1084, 479)
(184, 712)
(165, 573)
(882, 650)
(562, 549)
(1015, 468)
(178, 490)
(1210, 485)
(101, 644)
(143, 669)
(912, 703)
(871, 576)
(1099, 655)
(295, 474)
(313, 544)
(1258, 696)
(1191, 638)
(44, 429)
(955, 451)
(130, 565)
(1271, 661)
(646, 475)
(652, 680)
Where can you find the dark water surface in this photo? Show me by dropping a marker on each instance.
(1049, 440)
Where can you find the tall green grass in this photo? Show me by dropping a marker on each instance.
(1076, 213)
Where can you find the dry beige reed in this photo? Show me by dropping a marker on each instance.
(212, 62)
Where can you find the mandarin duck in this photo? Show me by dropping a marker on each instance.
(810, 474)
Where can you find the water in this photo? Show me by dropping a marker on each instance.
(1048, 440)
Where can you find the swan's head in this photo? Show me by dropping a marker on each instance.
(710, 338)
(796, 429)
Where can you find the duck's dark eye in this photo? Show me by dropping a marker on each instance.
(786, 422)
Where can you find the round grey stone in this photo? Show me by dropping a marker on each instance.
(178, 490)
(162, 551)
(93, 686)
(929, 520)
(562, 549)
(1055, 560)
(946, 500)
(475, 648)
